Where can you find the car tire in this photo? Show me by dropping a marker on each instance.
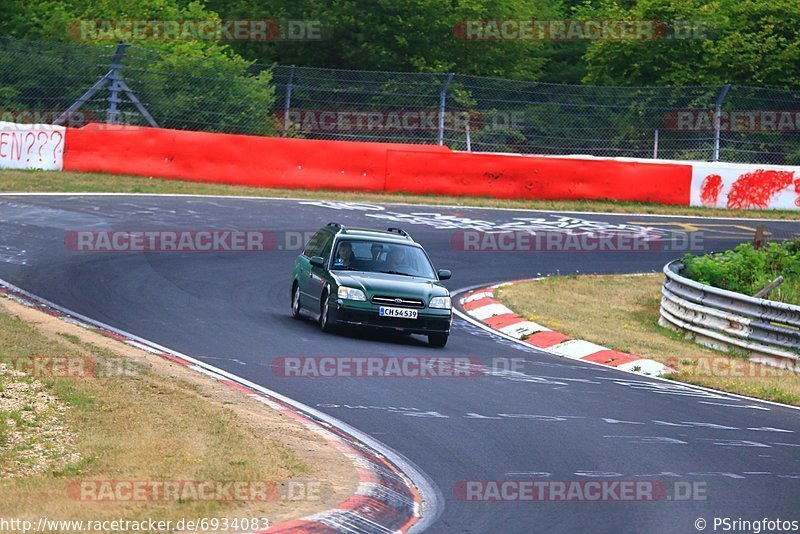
(296, 301)
(324, 312)
(437, 340)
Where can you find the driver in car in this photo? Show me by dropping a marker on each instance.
(344, 255)
(397, 258)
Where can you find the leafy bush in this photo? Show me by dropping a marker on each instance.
(746, 270)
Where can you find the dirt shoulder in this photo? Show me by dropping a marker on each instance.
(80, 411)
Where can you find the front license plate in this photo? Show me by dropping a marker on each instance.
(403, 313)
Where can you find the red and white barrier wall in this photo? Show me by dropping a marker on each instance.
(31, 146)
(739, 186)
(417, 169)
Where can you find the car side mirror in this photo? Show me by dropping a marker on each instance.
(317, 261)
(444, 274)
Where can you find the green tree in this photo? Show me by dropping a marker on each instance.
(397, 35)
(750, 42)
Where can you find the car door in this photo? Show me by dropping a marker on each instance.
(319, 276)
(303, 271)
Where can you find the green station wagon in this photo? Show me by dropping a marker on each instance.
(371, 278)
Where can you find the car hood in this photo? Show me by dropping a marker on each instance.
(394, 285)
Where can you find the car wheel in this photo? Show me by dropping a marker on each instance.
(437, 340)
(323, 314)
(296, 301)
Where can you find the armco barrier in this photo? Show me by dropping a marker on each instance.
(769, 331)
(417, 169)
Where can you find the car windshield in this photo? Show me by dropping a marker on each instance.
(381, 257)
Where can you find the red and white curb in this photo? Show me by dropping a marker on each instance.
(481, 305)
(387, 499)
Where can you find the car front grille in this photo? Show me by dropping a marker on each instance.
(403, 302)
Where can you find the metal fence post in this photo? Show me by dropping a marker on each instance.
(717, 112)
(655, 145)
(442, 100)
(114, 75)
(116, 63)
(116, 79)
(287, 102)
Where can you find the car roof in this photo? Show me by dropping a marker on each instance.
(392, 235)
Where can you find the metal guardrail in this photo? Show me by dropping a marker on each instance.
(769, 331)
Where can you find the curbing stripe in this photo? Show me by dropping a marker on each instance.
(644, 366)
(477, 296)
(484, 312)
(481, 305)
(521, 329)
(478, 303)
(577, 349)
(502, 321)
(606, 357)
(543, 340)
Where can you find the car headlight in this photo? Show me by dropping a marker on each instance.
(441, 302)
(351, 293)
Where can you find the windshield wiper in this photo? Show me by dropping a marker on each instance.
(396, 272)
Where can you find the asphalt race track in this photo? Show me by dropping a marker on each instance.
(556, 420)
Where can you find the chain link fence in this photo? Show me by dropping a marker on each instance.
(75, 83)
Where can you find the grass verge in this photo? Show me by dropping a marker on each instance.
(72, 182)
(621, 312)
(117, 413)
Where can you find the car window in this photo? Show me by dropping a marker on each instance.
(327, 242)
(377, 256)
(361, 250)
(315, 244)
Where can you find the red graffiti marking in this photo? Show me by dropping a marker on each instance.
(756, 189)
(797, 190)
(710, 190)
